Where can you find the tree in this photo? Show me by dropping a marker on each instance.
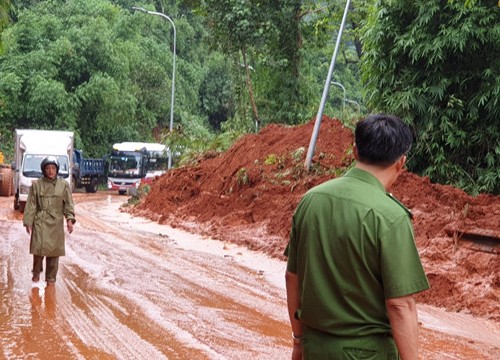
(280, 62)
(101, 71)
(5, 9)
(56, 51)
(266, 40)
(216, 92)
(437, 64)
(239, 27)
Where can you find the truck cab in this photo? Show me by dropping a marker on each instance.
(32, 146)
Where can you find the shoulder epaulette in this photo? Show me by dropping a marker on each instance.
(400, 204)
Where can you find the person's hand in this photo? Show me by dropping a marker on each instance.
(28, 228)
(70, 226)
(297, 351)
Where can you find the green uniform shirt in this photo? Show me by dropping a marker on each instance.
(352, 246)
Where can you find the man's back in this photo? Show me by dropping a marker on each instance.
(349, 233)
(352, 260)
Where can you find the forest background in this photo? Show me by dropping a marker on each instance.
(104, 71)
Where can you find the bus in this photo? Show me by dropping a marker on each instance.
(134, 163)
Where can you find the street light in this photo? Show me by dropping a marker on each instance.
(173, 74)
(354, 103)
(344, 99)
(317, 124)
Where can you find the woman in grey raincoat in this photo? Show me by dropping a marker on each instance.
(49, 202)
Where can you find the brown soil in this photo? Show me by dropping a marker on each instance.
(247, 196)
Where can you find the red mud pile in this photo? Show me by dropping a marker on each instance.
(247, 196)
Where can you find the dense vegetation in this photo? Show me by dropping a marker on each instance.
(437, 64)
(104, 71)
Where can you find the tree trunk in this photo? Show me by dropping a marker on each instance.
(357, 41)
(250, 89)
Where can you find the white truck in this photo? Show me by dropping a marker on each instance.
(32, 146)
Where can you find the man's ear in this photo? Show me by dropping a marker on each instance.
(355, 152)
(400, 163)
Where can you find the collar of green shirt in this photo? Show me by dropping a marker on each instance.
(365, 176)
(369, 178)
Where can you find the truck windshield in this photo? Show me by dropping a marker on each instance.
(125, 164)
(31, 165)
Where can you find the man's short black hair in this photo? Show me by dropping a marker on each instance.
(382, 139)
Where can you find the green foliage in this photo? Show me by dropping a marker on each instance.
(271, 159)
(298, 154)
(467, 3)
(319, 33)
(278, 71)
(137, 195)
(104, 72)
(262, 39)
(242, 178)
(436, 64)
(237, 24)
(84, 59)
(5, 9)
(217, 93)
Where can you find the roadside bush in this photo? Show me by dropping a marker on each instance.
(437, 65)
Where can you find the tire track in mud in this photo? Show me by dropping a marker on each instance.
(108, 320)
(95, 326)
(127, 290)
(144, 283)
(26, 311)
(7, 309)
(122, 293)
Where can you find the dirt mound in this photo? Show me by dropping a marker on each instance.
(247, 196)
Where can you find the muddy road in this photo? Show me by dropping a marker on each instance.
(132, 289)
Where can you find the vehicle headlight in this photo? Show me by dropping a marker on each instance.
(24, 189)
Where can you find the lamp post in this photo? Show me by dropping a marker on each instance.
(173, 74)
(344, 99)
(317, 124)
(354, 103)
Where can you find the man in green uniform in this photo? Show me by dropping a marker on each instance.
(352, 260)
(49, 202)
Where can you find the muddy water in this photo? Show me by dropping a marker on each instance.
(135, 295)
(131, 289)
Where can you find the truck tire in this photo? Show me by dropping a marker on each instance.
(16, 203)
(92, 187)
(6, 185)
(73, 184)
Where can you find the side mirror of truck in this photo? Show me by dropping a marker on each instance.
(13, 165)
